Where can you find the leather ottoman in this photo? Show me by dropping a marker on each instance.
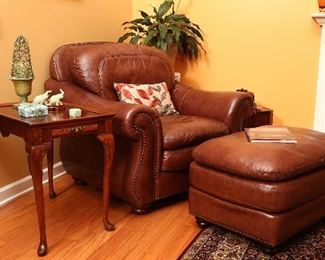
(265, 191)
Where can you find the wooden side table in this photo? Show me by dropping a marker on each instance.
(38, 134)
(261, 116)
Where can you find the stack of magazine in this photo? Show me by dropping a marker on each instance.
(270, 134)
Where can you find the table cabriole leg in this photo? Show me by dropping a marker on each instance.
(4, 133)
(52, 193)
(108, 142)
(34, 155)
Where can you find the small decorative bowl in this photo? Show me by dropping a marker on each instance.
(74, 112)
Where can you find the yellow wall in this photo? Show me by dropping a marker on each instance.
(270, 47)
(47, 24)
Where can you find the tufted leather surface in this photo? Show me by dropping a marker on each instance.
(181, 130)
(264, 161)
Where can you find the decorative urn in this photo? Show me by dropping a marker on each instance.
(21, 71)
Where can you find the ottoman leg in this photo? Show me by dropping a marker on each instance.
(202, 223)
(269, 250)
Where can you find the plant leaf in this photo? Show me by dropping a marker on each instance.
(133, 27)
(163, 30)
(153, 33)
(136, 21)
(135, 39)
(196, 32)
(143, 14)
(155, 10)
(177, 32)
(169, 40)
(175, 17)
(159, 44)
(126, 23)
(197, 26)
(151, 38)
(125, 36)
(147, 21)
(140, 28)
(164, 7)
(192, 47)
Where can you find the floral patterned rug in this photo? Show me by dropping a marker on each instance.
(215, 243)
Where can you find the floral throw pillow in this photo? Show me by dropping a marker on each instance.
(155, 96)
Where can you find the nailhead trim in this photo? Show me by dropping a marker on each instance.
(144, 145)
(55, 63)
(238, 231)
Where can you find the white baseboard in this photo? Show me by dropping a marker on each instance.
(18, 188)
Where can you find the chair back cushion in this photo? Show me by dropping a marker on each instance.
(96, 66)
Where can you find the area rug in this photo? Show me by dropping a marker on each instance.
(215, 243)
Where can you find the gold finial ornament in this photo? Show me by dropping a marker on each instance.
(21, 71)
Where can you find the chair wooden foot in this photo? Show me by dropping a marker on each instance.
(202, 223)
(42, 249)
(52, 194)
(79, 182)
(142, 210)
(109, 226)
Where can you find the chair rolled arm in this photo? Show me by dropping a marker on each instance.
(230, 108)
(129, 119)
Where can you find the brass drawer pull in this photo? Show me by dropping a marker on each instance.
(75, 129)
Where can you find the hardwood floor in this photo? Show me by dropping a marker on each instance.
(75, 229)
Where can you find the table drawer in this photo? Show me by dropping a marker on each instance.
(74, 130)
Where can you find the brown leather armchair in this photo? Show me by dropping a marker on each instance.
(153, 153)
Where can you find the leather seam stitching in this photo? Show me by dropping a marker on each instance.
(239, 202)
(261, 173)
(183, 99)
(153, 57)
(248, 114)
(100, 87)
(55, 64)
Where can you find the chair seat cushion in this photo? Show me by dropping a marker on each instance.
(175, 160)
(264, 161)
(182, 131)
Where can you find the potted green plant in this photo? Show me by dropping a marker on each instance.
(165, 29)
